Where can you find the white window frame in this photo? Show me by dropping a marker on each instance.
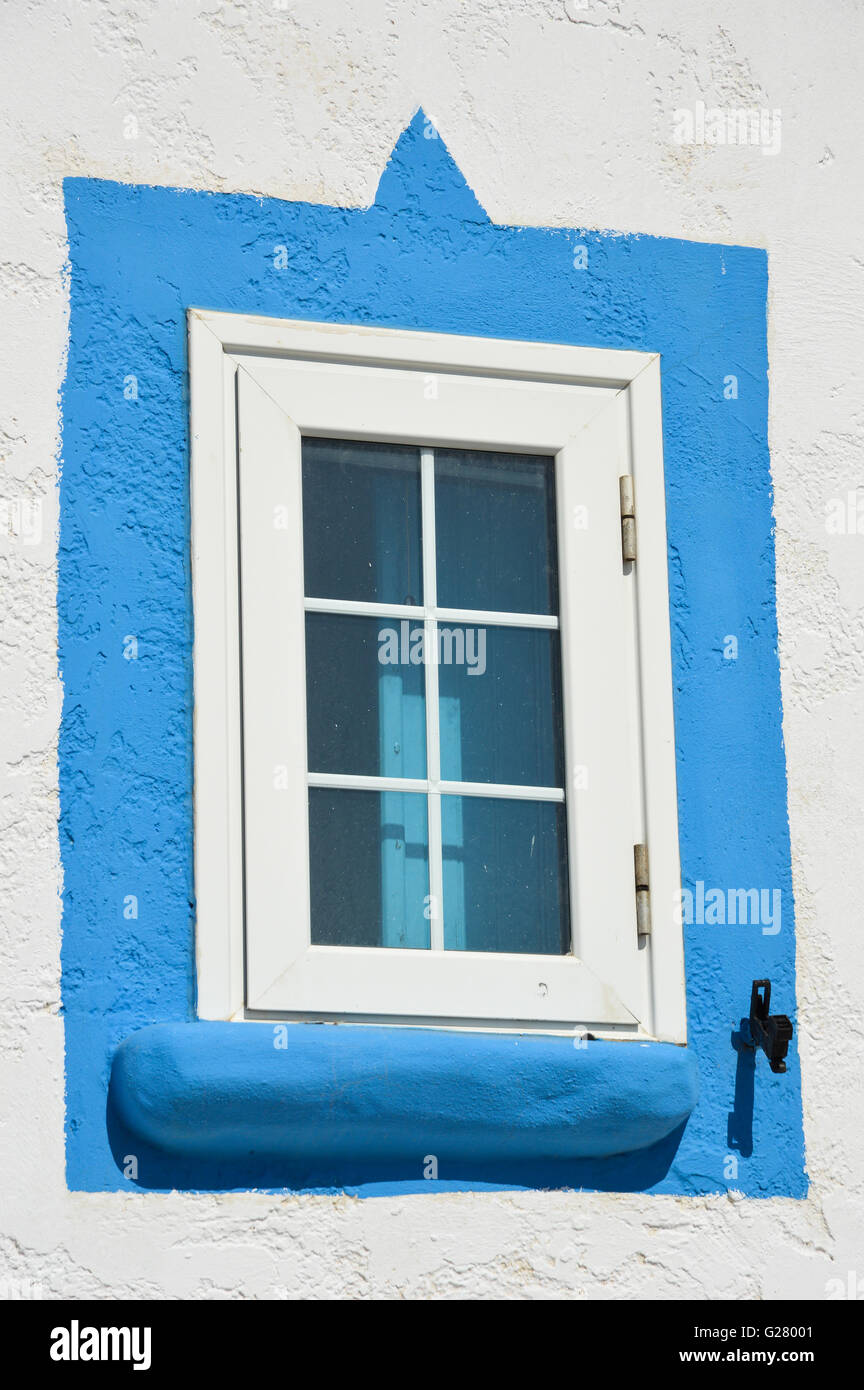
(258, 385)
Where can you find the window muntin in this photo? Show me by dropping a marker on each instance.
(436, 700)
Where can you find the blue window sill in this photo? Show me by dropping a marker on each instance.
(334, 1097)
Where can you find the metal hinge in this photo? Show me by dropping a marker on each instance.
(628, 517)
(643, 890)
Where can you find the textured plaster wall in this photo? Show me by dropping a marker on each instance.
(557, 115)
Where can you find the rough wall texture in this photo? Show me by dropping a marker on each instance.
(559, 115)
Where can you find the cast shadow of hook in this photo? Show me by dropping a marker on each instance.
(739, 1132)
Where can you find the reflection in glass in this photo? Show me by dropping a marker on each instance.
(505, 875)
(365, 709)
(501, 718)
(361, 521)
(369, 868)
(495, 531)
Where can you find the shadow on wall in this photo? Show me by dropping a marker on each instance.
(739, 1133)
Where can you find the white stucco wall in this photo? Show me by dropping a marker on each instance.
(559, 114)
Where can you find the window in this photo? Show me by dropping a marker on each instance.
(433, 710)
(434, 733)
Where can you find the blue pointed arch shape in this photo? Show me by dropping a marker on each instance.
(424, 256)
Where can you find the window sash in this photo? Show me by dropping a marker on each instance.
(284, 971)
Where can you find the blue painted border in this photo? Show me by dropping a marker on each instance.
(424, 256)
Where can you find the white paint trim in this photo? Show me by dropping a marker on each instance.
(216, 673)
(602, 817)
(436, 352)
(393, 404)
(668, 1013)
(274, 681)
(445, 985)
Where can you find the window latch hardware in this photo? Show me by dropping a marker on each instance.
(771, 1032)
(643, 890)
(628, 517)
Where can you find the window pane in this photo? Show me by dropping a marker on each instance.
(500, 705)
(505, 875)
(495, 531)
(369, 868)
(365, 704)
(361, 521)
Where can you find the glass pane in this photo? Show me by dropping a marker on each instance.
(495, 531)
(365, 701)
(500, 705)
(361, 521)
(369, 864)
(505, 875)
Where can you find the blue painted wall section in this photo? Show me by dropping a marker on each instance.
(424, 256)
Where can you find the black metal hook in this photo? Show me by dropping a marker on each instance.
(771, 1032)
